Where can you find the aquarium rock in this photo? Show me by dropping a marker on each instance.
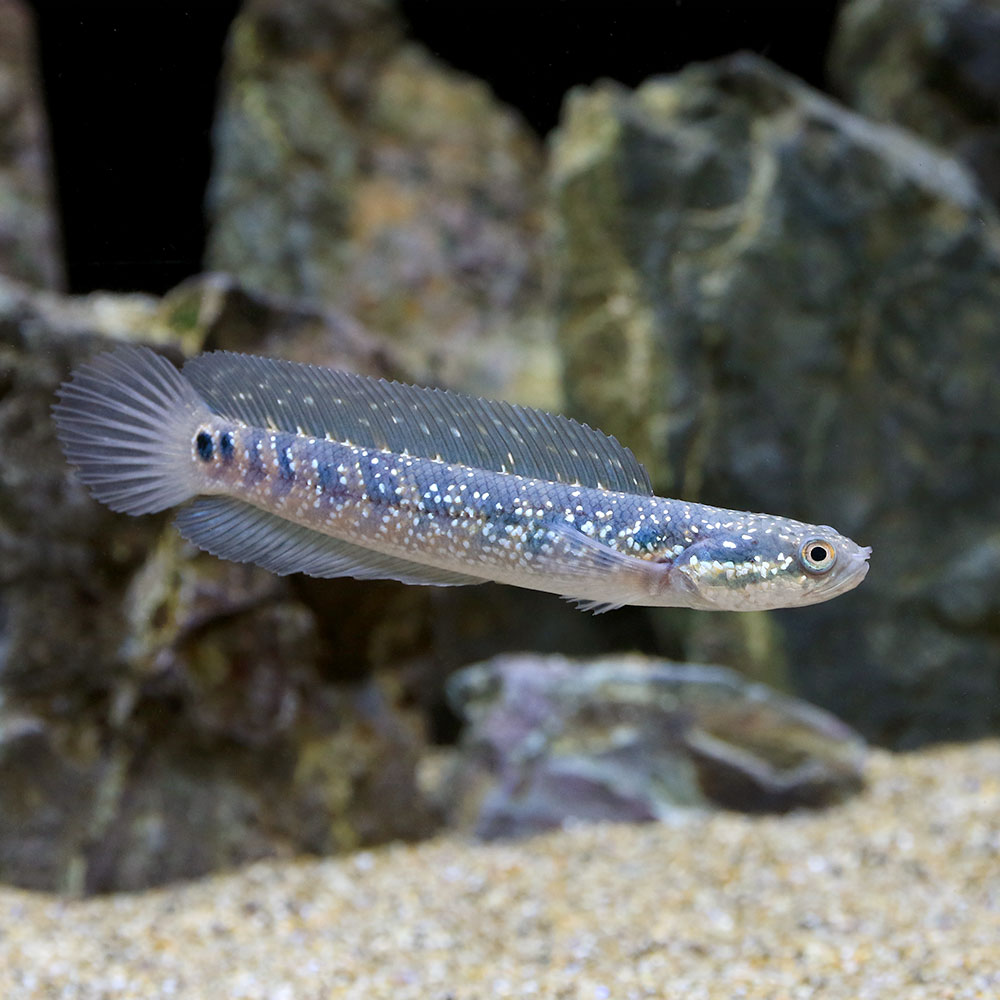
(550, 741)
(354, 169)
(781, 305)
(930, 66)
(30, 244)
(164, 714)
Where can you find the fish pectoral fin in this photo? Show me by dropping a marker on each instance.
(231, 529)
(575, 554)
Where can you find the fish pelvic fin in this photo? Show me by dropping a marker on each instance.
(597, 607)
(128, 420)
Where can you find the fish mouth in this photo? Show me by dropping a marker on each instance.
(854, 570)
(861, 561)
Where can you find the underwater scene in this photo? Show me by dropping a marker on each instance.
(500, 501)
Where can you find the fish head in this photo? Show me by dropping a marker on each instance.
(763, 563)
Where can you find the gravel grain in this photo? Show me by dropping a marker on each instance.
(894, 894)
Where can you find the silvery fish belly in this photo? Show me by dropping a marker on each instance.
(305, 469)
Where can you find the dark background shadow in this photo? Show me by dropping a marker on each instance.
(131, 90)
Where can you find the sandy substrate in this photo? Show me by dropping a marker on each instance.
(894, 895)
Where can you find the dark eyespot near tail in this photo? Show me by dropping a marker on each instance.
(203, 444)
(226, 446)
(817, 555)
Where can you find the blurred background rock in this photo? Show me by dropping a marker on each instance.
(29, 230)
(777, 303)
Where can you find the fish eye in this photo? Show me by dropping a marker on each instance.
(817, 555)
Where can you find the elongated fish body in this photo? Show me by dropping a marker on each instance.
(304, 469)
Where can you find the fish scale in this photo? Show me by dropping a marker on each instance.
(304, 469)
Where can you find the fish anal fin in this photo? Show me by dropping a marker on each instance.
(232, 529)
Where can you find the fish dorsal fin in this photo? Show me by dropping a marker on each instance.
(429, 423)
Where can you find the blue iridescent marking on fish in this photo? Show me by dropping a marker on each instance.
(647, 536)
(329, 478)
(283, 445)
(377, 477)
(435, 498)
(255, 469)
(537, 538)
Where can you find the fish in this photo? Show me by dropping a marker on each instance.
(304, 469)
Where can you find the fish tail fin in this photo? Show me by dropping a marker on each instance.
(127, 421)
